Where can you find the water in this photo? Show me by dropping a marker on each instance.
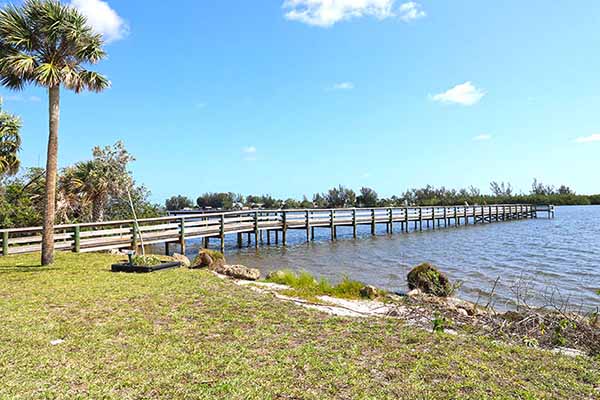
(562, 253)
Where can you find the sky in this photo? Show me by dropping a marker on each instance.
(293, 97)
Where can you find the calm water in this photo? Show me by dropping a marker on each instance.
(562, 253)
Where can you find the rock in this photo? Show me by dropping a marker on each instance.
(430, 280)
(114, 252)
(273, 275)
(238, 272)
(185, 262)
(208, 259)
(462, 312)
(566, 351)
(414, 293)
(369, 292)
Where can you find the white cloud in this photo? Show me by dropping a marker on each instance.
(465, 94)
(249, 150)
(326, 13)
(19, 98)
(343, 86)
(410, 11)
(588, 139)
(483, 136)
(103, 19)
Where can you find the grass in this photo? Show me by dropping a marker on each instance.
(304, 284)
(188, 334)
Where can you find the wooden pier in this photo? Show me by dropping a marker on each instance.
(256, 227)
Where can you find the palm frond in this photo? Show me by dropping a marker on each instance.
(47, 74)
(94, 81)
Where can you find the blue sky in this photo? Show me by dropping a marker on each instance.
(293, 97)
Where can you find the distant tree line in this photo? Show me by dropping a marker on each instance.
(340, 197)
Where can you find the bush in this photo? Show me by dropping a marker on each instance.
(146, 261)
(430, 280)
(307, 285)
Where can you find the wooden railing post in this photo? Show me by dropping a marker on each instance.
(77, 239)
(182, 235)
(391, 228)
(354, 223)
(222, 233)
(5, 243)
(433, 217)
(284, 231)
(332, 222)
(372, 221)
(256, 229)
(307, 226)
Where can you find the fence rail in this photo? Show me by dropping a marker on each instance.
(87, 237)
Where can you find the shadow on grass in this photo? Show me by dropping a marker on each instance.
(4, 269)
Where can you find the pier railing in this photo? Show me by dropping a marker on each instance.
(176, 229)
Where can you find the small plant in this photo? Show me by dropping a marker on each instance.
(440, 323)
(560, 330)
(146, 261)
(530, 342)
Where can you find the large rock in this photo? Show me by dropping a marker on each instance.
(238, 272)
(185, 262)
(430, 280)
(210, 259)
(369, 292)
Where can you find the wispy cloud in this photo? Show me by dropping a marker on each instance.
(103, 19)
(249, 153)
(465, 94)
(483, 136)
(326, 13)
(588, 139)
(19, 98)
(343, 86)
(410, 11)
(201, 105)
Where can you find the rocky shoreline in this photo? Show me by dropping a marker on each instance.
(423, 307)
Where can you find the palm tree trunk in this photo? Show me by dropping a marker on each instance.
(51, 169)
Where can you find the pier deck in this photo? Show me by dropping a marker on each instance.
(178, 228)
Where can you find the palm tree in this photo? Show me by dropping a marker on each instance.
(10, 143)
(48, 44)
(98, 180)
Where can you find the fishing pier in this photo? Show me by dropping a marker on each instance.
(257, 227)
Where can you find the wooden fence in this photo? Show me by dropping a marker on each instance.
(102, 236)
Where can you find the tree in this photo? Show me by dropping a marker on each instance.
(501, 189)
(47, 43)
(339, 197)
(178, 203)
(96, 180)
(10, 142)
(367, 198)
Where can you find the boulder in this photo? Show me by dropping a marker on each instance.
(185, 262)
(210, 259)
(429, 280)
(238, 272)
(369, 292)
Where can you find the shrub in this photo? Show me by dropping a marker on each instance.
(430, 280)
(147, 260)
(307, 285)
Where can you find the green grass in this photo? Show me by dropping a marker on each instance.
(188, 334)
(304, 284)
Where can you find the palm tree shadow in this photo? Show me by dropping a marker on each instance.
(5, 269)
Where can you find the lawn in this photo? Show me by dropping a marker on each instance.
(188, 334)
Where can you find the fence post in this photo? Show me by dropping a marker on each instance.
(5, 243)
(307, 226)
(284, 231)
(134, 235)
(354, 223)
(256, 229)
(222, 233)
(182, 235)
(76, 239)
(372, 221)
